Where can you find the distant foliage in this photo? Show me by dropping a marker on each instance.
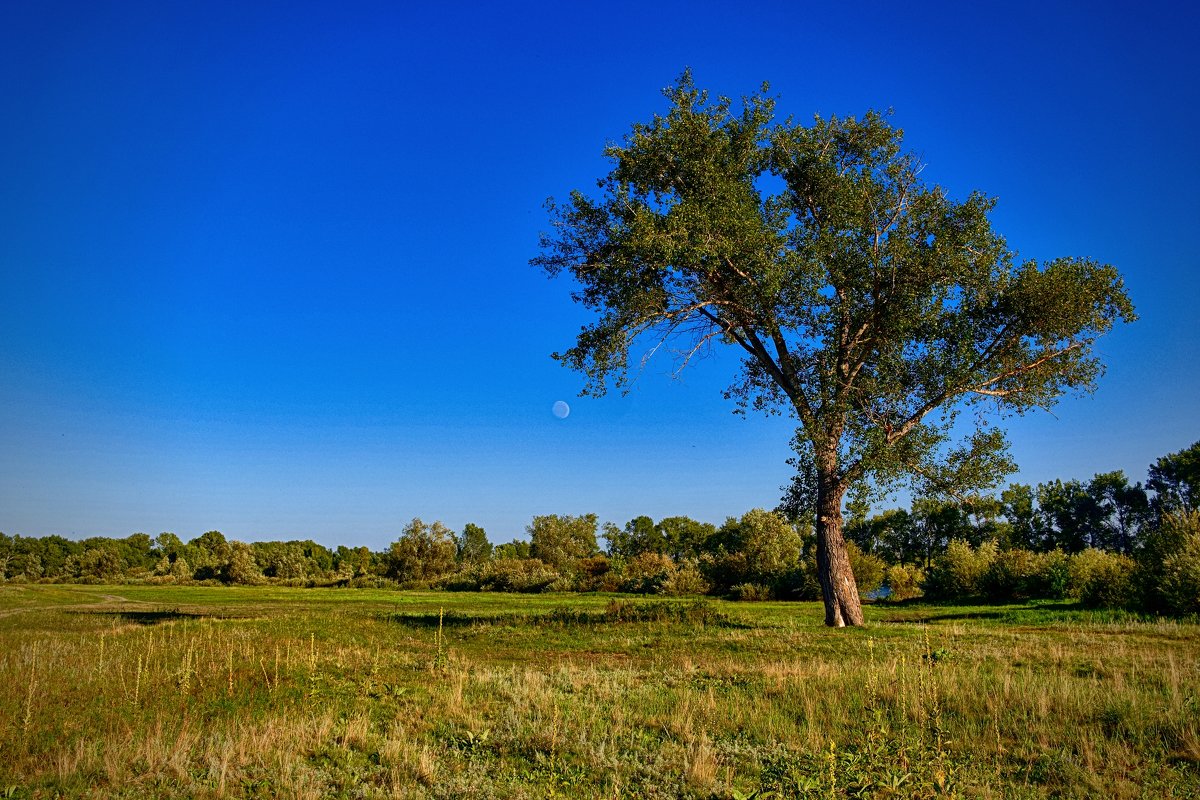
(562, 541)
(1103, 580)
(1170, 565)
(868, 569)
(1181, 579)
(647, 573)
(760, 549)
(597, 574)
(1175, 480)
(961, 570)
(1021, 575)
(423, 554)
(517, 548)
(241, 567)
(904, 582)
(687, 579)
(473, 545)
(506, 575)
(1105, 543)
(751, 592)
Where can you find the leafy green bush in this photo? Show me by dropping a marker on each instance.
(423, 554)
(687, 579)
(502, 575)
(1102, 580)
(868, 569)
(751, 591)
(1168, 573)
(759, 548)
(1180, 584)
(1018, 574)
(904, 582)
(598, 574)
(1054, 573)
(647, 572)
(960, 571)
(699, 612)
(801, 583)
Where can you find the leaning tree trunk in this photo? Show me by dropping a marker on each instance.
(838, 588)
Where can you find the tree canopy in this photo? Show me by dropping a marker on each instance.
(1175, 478)
(867, 304)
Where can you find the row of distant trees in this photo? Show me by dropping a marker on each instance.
(1104, 541)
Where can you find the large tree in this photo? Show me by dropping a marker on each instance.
(1175, 480)
(869, 305)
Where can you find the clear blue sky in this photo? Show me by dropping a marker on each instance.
(263, 266)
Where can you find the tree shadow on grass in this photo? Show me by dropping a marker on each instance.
(617, 612)
(455, 619)
(919, 612)
(921, 619)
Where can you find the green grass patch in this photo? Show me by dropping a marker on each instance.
(152, 691)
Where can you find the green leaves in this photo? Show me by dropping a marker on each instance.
(869, 305)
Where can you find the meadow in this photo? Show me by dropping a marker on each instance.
(194, 691)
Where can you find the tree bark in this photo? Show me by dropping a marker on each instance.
(838, 588)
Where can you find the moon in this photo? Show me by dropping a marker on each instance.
(560, 409)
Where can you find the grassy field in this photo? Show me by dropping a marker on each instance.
(141, 691)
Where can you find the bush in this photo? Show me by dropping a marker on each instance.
(423, 554)
(686, 579)
(724, 570)
(868, 569)
(1054, 573)
(904, 582)
(759, 548)
(1180, 584)
(801, 583)
(694, 613)
(370, 582)
(1168, 571)
(960, 571)
(1020, 574)
(1102, 580)
(647, 572)
(515, 575)
(751, 591)
(597, 574)
(241, 567)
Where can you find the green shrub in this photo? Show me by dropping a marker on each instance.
(526, 575)
(960, 572)
(241, 567)
(868, 569)
(1167, 571)
(759, 548)
(1018, 574)
(597, 574)
(516, 575)
(801, 583)
(1102, 580)
(723, 570)
(687, 579)
(1054, 573)
(699, 612)
(647, 572)
(1180, 583)
(904, 582)
(751, 591)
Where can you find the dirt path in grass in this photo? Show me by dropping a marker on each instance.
(99, 600)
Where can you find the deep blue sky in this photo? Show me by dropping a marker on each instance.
(263, 266)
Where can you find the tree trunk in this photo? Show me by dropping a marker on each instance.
(838, 588)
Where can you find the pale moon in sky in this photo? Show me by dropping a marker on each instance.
(560, 409)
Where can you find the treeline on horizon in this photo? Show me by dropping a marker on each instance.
(1106, 543)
